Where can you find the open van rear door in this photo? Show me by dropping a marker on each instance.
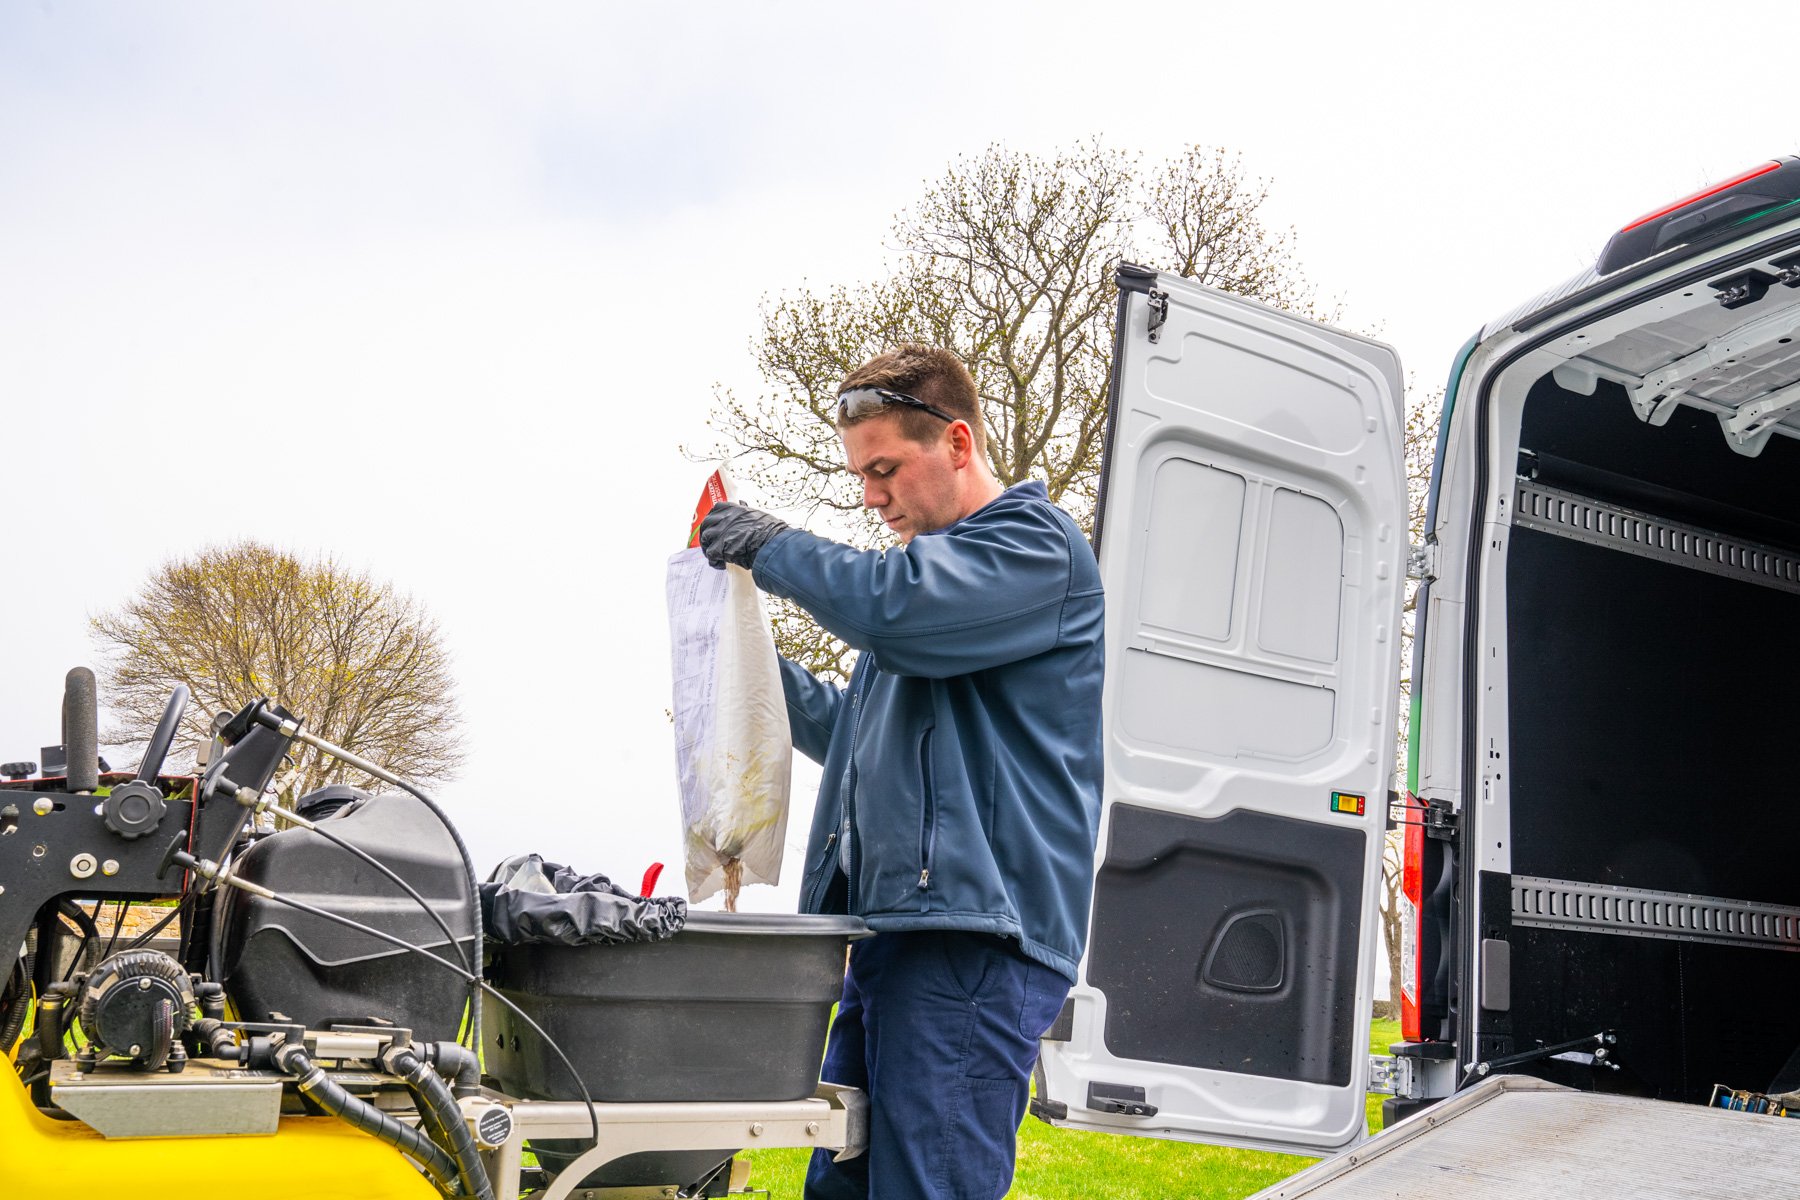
(1253, 540)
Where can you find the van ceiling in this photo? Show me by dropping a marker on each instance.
(1741, 364)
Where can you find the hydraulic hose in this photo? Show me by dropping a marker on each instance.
(387, 872)
(149, 934)
(475, 981)
(210, 870)
(216, 1040)
(20, 1005)
(462, 849)
(334, 1099)
(90, 934)
(293, 729)
(118, 928)
(439, 1114)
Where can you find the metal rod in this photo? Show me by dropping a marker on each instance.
(1600, 1041)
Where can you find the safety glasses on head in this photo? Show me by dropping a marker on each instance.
(858, 403)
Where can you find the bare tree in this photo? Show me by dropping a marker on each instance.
(361, 664)
(1008, 261)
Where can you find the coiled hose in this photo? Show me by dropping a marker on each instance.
(440, 1115)
(20, 1003)
(334, 1099)
(90, 934)
(216, 1040)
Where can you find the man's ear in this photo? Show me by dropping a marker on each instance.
(962, 444)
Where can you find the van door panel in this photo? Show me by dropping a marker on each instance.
(1253, 509)
(1226, 942)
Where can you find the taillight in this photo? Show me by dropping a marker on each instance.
(1665, 210)
(1412, 883)
(1766, 192)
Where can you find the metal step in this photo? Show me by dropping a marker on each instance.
(1566, 514)
(1600, 908)
(1514, 1137)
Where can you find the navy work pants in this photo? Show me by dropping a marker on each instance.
(941, 1029)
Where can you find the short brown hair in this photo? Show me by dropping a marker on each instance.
(926, 373)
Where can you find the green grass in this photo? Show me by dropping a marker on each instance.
(1060, 1164)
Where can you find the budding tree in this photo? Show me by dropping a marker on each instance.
(1007, 260)
(362, 664)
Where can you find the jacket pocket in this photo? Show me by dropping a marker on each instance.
(927, 811)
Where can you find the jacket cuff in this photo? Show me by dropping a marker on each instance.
(762, 566)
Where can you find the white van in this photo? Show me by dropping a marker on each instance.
(1602, 870)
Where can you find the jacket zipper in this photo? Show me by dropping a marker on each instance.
(929, 806)
(818, 890)
(848, 794)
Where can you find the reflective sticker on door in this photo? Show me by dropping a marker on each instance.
(1409, 948)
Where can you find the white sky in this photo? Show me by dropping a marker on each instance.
(441, 289)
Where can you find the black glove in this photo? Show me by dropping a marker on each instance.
(732, 533)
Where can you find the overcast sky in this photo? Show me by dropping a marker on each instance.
(442, 289)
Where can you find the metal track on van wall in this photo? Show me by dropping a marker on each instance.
(1566, 514)
(1599, 908)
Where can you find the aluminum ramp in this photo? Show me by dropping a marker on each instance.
(1516, 1137)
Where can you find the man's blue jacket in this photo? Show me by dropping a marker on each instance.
(964, 758)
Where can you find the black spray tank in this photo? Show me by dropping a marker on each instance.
(278, 963)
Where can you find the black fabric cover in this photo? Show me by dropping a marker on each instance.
(527, 901)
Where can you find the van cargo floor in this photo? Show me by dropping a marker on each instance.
(1515, 1136)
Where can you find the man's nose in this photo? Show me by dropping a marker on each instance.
(873, 495)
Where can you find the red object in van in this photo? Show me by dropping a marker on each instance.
(1412, 892)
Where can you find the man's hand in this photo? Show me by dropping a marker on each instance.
(732, 533)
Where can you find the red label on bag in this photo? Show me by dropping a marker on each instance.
(713, 493)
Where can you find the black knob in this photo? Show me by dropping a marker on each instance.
(176, 856)
(18, 770)
(134, 809)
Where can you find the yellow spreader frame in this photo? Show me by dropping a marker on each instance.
(308, 1158)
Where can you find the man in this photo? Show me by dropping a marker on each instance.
(961, 793)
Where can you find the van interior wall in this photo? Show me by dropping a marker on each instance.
(1652, 710)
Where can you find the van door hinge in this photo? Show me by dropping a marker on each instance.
(1746, 287)
(1438, 818)
(1159, 313)
(1788, 270)
(1421, 561)
(1392, 1076)
(1441, 821)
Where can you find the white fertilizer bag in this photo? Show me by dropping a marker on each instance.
(732, 746)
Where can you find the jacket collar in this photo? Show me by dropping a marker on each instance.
(1031, 489)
